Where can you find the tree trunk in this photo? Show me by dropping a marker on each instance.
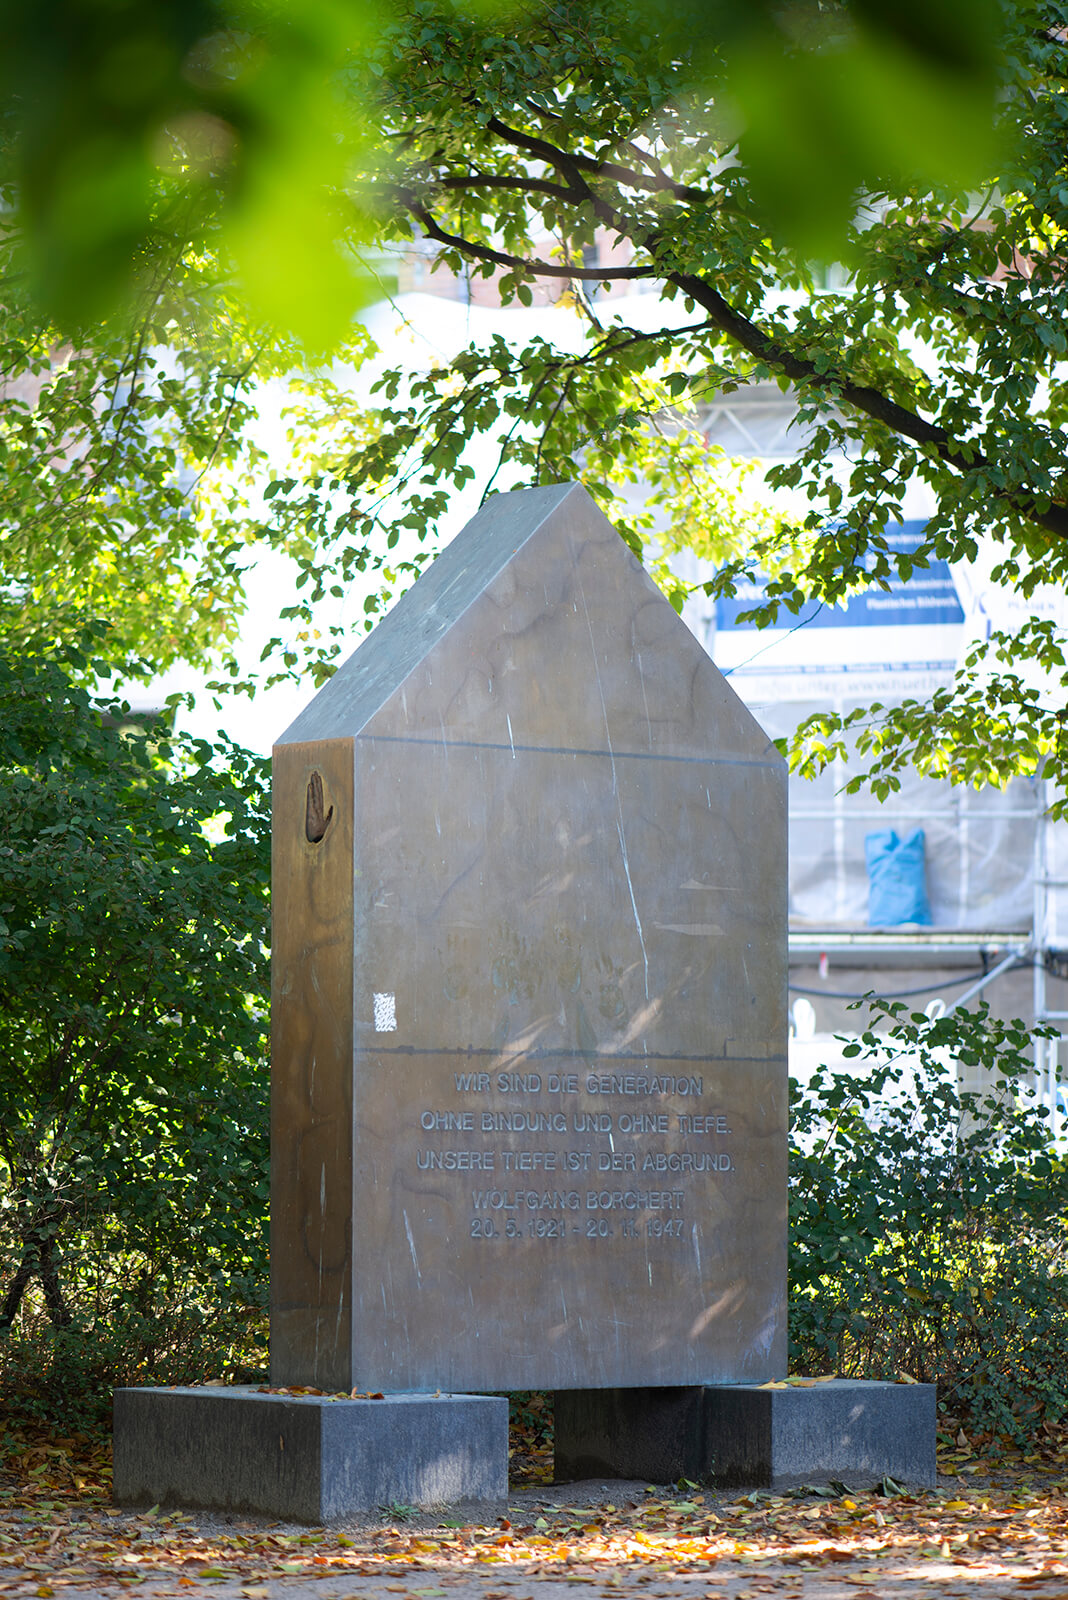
(36, 1263)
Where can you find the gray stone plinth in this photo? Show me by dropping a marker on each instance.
(306, 1457)
(748, 1436)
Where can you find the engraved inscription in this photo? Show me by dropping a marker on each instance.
(592, 1155)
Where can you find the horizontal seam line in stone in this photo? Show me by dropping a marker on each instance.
(551, 1055)
(567, 750)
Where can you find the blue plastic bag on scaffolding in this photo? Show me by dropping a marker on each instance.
(897, 886)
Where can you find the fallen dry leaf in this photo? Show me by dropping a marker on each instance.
(1002, 1529)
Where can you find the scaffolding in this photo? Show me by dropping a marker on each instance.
(1048, 943)
(869, 955)
(997, 865)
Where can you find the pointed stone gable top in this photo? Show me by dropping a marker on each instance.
(425, 613)
(537, 627)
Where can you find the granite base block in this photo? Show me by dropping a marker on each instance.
(308, 1458)
(750, 1436)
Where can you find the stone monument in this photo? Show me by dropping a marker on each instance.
(529, 1008)
(529, 1077)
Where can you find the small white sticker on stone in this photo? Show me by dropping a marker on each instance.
(385, 1013)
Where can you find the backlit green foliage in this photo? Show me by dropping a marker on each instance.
(133, 1055)
(127, 126)
(934, 356)
(222, 167)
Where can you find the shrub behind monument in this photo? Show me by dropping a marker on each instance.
(133, 1084)
(927, 1227)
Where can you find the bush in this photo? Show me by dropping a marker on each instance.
(927, 1222)
(134, 873)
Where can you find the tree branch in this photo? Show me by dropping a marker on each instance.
(739, 329)
(486, 180)
(37, 1262)
(9, 1310)
(500, 258)
(872, 402)
(654, 179)
(56, 1306)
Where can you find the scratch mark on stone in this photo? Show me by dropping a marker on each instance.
(645, 701)
(630, 889)
(411, 1247)
(511, 741)
(615, 790)
(340, 1309)
(319, 1302)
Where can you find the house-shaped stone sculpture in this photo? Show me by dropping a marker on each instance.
(529, 1067)
(529, 1003)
